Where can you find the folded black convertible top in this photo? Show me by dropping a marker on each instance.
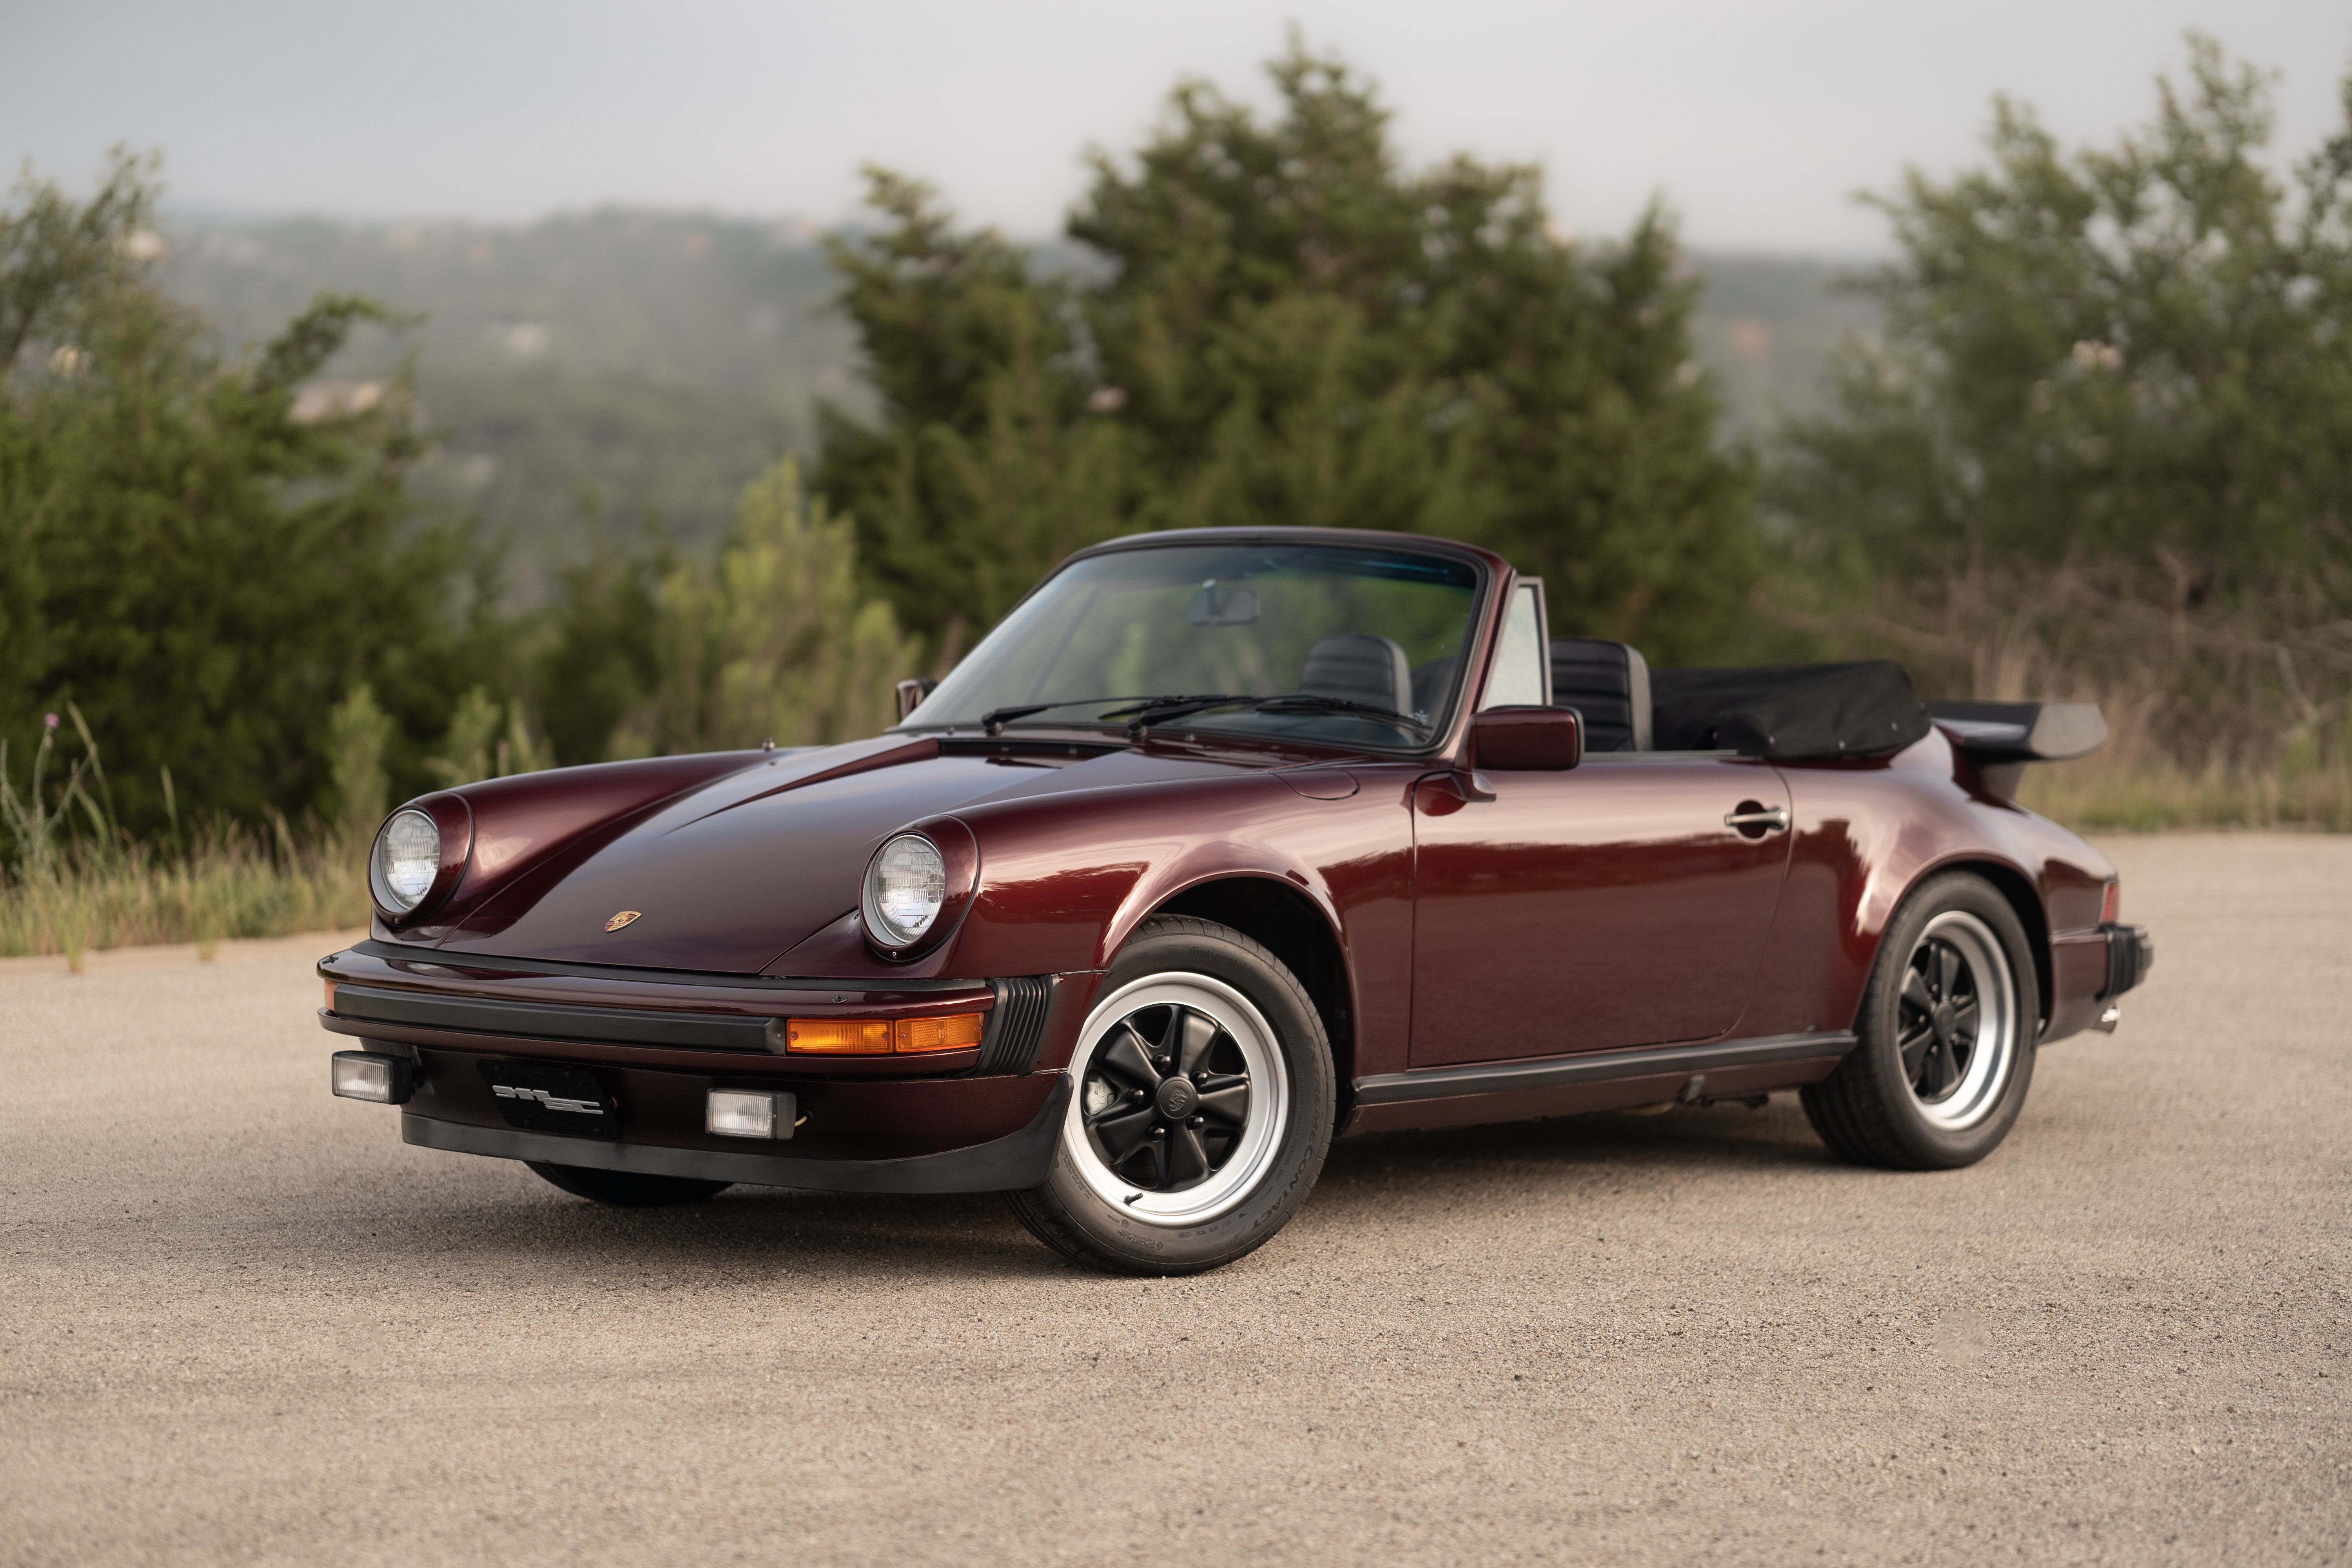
(1866, 709)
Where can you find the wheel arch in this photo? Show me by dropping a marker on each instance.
(1292, 926)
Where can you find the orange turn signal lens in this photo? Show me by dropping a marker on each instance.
(952, 1032)
(884, 1036)
(840, 1037)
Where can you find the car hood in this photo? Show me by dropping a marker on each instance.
(728, 877)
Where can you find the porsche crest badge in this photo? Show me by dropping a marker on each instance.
(623, 917)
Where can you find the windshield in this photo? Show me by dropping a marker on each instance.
(1354, 646)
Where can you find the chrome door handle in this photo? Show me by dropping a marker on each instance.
(1773, 818)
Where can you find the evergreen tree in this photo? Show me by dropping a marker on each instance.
(201, 565)
(2128, 355)
(985, 469)
(2106, 440)
(599, 650)
(1275, 325)
(776, 643)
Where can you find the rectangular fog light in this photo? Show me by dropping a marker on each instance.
(742, 1113)
(367, 1075)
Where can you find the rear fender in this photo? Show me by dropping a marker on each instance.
(1867, 834)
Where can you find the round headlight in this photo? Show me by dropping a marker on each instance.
(407, 859)
(905, 887)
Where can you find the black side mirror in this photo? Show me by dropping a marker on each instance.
(1533, 739)
(911, 693)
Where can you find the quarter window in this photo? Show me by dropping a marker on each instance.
(1521, 676)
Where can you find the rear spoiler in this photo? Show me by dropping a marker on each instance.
(2000, 738)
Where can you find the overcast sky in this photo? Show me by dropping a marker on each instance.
(1755, 120)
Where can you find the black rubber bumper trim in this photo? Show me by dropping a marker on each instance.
(2131, 953)
(490, 964)
(600, 1025)
(1016, 1026)
(1011, 1164)
(1600, 1067)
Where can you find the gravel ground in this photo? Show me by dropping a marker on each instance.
(244, 1323)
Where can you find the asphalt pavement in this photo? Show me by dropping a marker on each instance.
(241, 1322)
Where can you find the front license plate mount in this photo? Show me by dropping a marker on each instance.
(552, 1097)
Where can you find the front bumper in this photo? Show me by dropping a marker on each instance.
(1013, 1163)
(971, 1121)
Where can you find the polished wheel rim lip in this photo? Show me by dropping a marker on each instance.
(1956, 1022)
(1249, 1158)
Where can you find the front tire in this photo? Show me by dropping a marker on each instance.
(1203, 1111)
(1947, 1027)
(626, 1189)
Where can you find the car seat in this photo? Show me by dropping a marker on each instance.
(1609, 683)
(1360, 668)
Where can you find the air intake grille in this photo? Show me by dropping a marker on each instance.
(1017, 1028)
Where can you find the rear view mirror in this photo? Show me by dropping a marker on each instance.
(1536, 740)
(1216, 606)
(911, 694)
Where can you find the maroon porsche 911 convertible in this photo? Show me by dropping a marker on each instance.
(1222, 845)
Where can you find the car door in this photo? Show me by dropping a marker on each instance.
(1610, 905)
(1625, 901)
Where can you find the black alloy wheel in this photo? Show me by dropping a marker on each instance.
(1166, 1099)
(1937, 1019)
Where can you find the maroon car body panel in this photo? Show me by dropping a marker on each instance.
(1471, 916)
(1627, 858)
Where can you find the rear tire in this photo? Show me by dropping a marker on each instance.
(1202, 1109)
(1947, 1030)
(626, 1189)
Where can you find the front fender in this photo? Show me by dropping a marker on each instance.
(1068, 878)
(523, 821)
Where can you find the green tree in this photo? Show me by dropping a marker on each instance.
(985, 467)
(358, 734)
(777, 642)
(201, 558)
(1274, 323)
(486, 739)
(598, 652)
(2113, 399)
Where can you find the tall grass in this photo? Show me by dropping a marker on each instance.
(2148, 794)
(233, 885)
(78, 883)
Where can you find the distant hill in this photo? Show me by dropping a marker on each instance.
(633, 364)
(624, 363)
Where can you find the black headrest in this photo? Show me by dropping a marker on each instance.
(1609, 683)
(1360, 668)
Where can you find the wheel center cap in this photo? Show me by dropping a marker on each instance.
(1943, 1020)
(1176, 1097)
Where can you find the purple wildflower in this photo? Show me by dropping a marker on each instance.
(51, 720)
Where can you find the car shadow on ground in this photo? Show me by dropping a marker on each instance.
(749, 1231)
(1683, 1139)
(460, 1220)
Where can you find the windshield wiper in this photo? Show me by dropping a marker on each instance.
(995, 719)
(1151, 710)
(1289, 702)
(1301, 703)
(1142, 712)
